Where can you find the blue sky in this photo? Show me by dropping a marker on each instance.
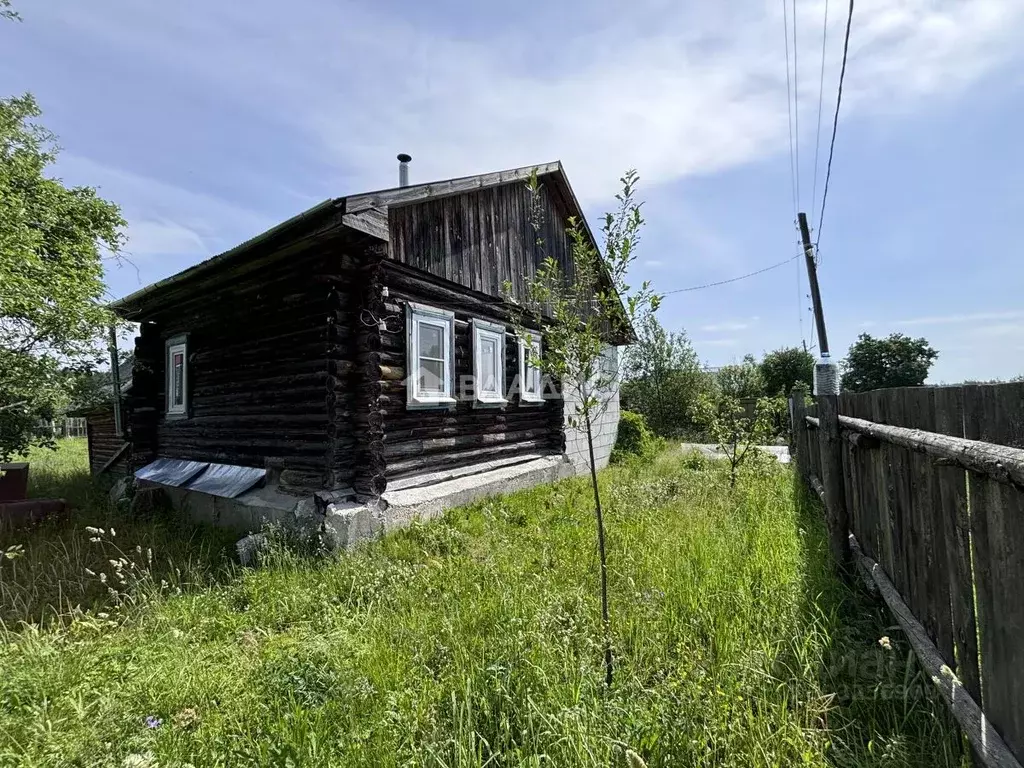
(209, 121)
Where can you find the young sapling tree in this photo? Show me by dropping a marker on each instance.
(580, 315)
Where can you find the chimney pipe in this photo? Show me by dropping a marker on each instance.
(403, 169)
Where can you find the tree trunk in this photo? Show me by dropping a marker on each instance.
(605, 618)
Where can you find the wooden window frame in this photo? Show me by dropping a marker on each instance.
(534, 340)
(417, 315)
(172, 346)
(481, 331)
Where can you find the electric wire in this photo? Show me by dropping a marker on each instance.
(835, 120)
(796, 105)
(821, 95)
(789, 111)
(731, 279)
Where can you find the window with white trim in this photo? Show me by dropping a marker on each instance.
(430, 357)
(529, 374)
(488, 363)
(177, 377)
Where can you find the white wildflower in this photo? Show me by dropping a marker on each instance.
(884, 642)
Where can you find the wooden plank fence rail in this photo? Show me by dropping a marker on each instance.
(925, 485)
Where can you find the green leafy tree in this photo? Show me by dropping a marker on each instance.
(735, 429)
(741, 380)
(895, 361)
(784, 368)
(577, 317)
(53, 240)
(662, 378)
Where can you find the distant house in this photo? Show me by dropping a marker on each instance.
(358, 353)
(109, 449)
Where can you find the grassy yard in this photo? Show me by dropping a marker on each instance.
(472, 640)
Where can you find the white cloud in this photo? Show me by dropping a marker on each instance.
(653, 263)
(147, 237)
(970, 318)
(727, 326)
(715, 342)
(672, 89)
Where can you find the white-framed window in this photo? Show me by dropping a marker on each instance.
(430, 357)
(488, 363)
(530, 382)
(177, 377)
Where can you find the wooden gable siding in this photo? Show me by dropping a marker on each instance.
(267, 356)
(426, 440)
(483, 238)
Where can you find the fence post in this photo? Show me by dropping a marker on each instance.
(831, 447)
(798, 428)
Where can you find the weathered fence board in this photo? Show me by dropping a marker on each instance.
(995, 414)
(933, 484)
(952, 506)
(929, 564)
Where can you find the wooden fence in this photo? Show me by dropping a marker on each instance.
(69, 426)
(930, 482)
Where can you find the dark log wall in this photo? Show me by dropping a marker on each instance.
(483, 238)
(104, 442)
(428, 440)
(269, 371)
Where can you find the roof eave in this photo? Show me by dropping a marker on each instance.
(135, 302)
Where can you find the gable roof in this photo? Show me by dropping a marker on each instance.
(366, 213)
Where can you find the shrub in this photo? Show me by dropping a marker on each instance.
(635, 438)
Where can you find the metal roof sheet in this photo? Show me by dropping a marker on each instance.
(226, 480)
(174, 472)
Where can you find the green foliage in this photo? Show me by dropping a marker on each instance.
(7, 12)
(634, 439)
(52, 242)
(784, 368)
(99, 558)
(579, 317)
(471, 641)
(738, 430)
(895, 361)
(662, 378)
(741, 380)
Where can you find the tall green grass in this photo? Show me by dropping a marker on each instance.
(46, 580)
(475, 640)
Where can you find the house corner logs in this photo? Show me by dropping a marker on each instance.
(831, 454)
(370, 479)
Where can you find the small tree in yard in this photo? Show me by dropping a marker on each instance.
(662, 377)
(741, 380)
(52, 242)
(737, 432)
(895, 361)
(784, 368)
(578, 316)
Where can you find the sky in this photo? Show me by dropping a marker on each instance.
(210, 121)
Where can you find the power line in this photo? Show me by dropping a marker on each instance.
(835, 121)
(789, 111)
(796, 106)
(732, 279)
(821, 95)
(800, 304)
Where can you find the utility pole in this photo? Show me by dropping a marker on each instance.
(829, 445)
(812, 277)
